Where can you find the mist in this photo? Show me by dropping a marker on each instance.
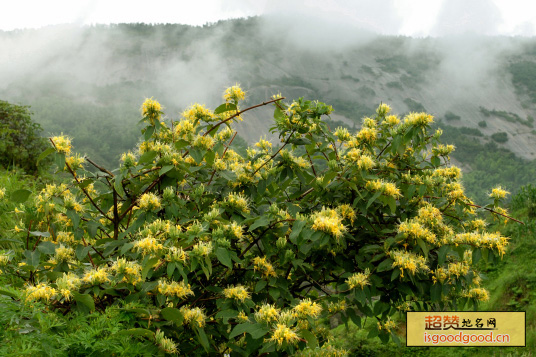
(108, 70)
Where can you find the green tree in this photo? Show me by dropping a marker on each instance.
(213, 251)
(20, 143)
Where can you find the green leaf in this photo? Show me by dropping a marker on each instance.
(149, 132)
(203, 339)
(312, 342)
(181, 144)
(148, 265)
(45, 154)
(442, 254)
(85, 299)
(435, 161)
(263, 221)
(9, 293)
(32, 258)
(165, 169)
(423, 246)
(435, 292)
(59, 160)
(392, 203)
(224, 257)
(373, 198)
(225, 107)
(197, 154)
(81, 252)
(118, 186)
(47, 247)
(39, 234)
(209, 157)
(261, 284)
(137, 332)
(92, 228)
(227, 314)
(255, 330)
(20, 196)
(147, 157)
(172, 314)
(74, 217)
(387, 264)
(240, 329)
(296, 229)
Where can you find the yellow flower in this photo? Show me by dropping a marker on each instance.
(148, 245)
(202, 249)
(149, 201)
(359, 279)
(166, 343)
(62, 254)
(234, 93)
(41, 291)
(284, 334)
(329, 221)
(498, 193)
(151, 109)
(194, 317)
(130, 270)
(409, 261)
(383, 109)
(177, 255)
(96, 276)
(62, 144)
(68, 283)
(307, 308)
(173, 288)
(194, 113)
(267, 313)
(236, 292)
(2, 193)
(266, 267)
(477, 293)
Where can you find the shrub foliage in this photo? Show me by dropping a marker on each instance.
(20, 143)
(217, 252)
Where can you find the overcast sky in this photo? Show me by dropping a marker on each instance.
(419, 18)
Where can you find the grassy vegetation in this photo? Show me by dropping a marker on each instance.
(512, 286)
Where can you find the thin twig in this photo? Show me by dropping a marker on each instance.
(98, 167)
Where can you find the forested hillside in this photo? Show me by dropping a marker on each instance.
(87, 81)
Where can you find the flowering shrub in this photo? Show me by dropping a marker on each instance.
(212, 251)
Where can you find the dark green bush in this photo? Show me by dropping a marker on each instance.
(501, 137)
(20, 143)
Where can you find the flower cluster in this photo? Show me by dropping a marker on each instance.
(236, 292)
(166, 343)
(67, 284)
(96, 276)
(62, 144)
(307, 308)
(149, 202)
(41, 291)
(263, 265)
(177, 255)
(387, 188)
(329, 221)
(267, 313)
(193, 317)
(234, 94)
(173, 288)
(359, 279)
(130, 270)
(148, 245)
(408, 261)
(284, 335)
